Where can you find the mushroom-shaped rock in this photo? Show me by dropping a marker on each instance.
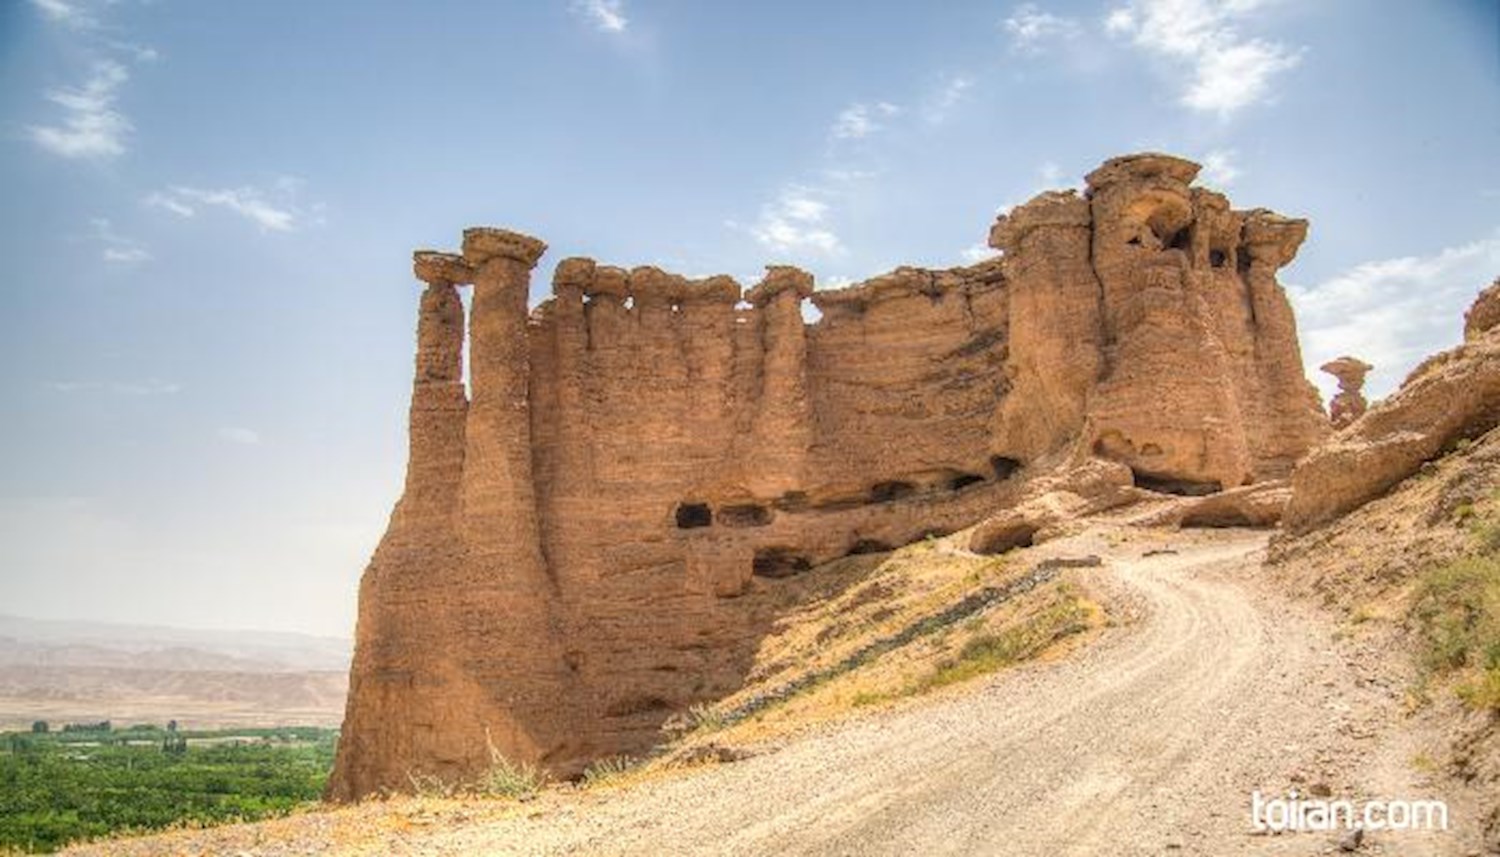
(610, 281)
(720, 288)
(778, 279)
(576, 272)
(1272, 238)
(1050, 208)
(1484, 314)
(1349, 403)
(433, 267)
(1143, 167)
(483, 243)
(652, 285)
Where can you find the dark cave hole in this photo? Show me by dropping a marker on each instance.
(1218, 258)
(693, 515)
(1171, 485)
(744, 515)
(1182, 239)
(884, 492)
(779, 562)
(1004, 466)
(964, 480)
(867, 546)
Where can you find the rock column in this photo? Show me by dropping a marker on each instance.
(1349, 403)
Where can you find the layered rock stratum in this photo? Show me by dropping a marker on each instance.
(564, 569)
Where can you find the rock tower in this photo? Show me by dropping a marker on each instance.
(566, 565)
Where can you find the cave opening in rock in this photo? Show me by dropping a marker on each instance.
(1218, 258)
(884, 492)
(791, 501)
(779, 562)
(867, 546)
(1182, 239)
(1161, 484)
(744, 515)
(1004, 466)
(964, 480)
(693, 515)
(1218, 519)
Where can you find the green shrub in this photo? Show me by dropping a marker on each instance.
(1456, 610)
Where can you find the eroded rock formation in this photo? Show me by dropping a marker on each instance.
(565, 566)
(1348, 403)
(1450, 397)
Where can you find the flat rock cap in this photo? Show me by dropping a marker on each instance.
(434, 267)
(483, 243)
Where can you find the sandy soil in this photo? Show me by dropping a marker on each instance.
(1210, 686)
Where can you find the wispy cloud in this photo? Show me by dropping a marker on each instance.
(946, 97)
(116, 247)
(860, 120)
(91, 126)
(69, 14)
(976, 253)
(144, 387)
(1220, 168)
(1394, 312)
(240, 435)
(796, 223)
(606, 16)
(1033, 31)
(1229, 71)
(274, 211)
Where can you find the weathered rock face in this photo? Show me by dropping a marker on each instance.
(1451, 397)
(1349, 402)
(564, 568)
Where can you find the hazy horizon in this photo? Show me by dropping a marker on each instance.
(210, 327)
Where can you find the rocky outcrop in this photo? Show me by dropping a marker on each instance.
(569, 562)
(1450, 397)
(1348, 403)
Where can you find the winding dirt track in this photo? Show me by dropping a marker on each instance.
(1149, 742)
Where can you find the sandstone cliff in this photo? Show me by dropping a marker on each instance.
(563, 570)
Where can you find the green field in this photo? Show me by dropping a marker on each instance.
(58, 787)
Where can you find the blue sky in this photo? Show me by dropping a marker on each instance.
(209, 210)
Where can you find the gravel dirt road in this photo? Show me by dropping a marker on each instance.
(1148, 741)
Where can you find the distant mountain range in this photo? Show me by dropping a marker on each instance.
(64, 671)
(44, 642)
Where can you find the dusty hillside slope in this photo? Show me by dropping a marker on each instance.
(1394, 524)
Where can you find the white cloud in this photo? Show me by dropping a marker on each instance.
(1050, 173)
(275, 212)
(607, 16)
(1032, 30)
(117, 248)
(945, 98)
(1219, 167)
(240, 435)
(976, 253)
(1229, 71)
(1393, 312)
(796, 223)
(69, 14)
(91, 127)
(858, 121)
